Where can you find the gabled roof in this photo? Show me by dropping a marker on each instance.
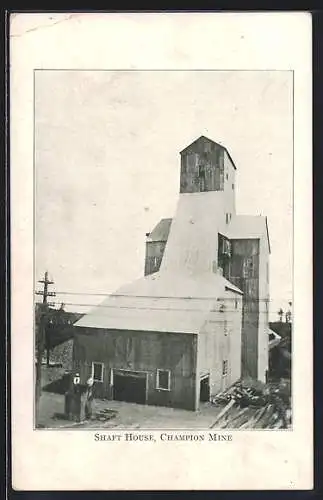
(248, 226)
(206, 139)
(161, 231)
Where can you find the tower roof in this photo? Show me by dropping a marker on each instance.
(204, 139)
(248, 226)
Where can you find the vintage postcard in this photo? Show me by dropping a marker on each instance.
(161, 257)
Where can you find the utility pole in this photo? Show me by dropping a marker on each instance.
(42, 338)
(45, 293)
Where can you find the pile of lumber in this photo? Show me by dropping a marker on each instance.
(253, 406)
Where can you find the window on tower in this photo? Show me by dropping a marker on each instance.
(224, 367)
(224, 255)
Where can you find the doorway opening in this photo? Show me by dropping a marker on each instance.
(205, 389)
(130, 387)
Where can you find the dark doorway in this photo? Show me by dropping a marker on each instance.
(129, 388)
(205, 389)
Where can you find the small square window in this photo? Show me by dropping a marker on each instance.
(163, 380)
(224, 367)
(97, 371)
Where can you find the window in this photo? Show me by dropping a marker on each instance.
(221, 308)
(227, 177)
(226, 247)
(227, 218)
(236, 303)
(224, 367)
(163, 380)
(97, 371)
(232, 186)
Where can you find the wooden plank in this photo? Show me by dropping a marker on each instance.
(258, 416)
(242, 419)
(236, 418)
(223, 412)
(267, 416)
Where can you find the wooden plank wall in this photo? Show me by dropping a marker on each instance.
(202, 157)
(141, 351)
(248, 282)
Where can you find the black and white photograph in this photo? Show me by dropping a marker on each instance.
(160, 251)
(163, 250)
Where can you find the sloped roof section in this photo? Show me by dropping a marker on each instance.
(248, 226)
(145, 318)
(206, 139)
(192, 242)
(161, 231)
(161, 302)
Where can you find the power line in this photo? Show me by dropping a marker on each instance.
(109, 294)
(103, 306)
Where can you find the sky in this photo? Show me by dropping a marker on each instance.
(107, 167)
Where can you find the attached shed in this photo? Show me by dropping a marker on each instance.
(163, 341)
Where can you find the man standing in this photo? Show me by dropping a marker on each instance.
(89, 398)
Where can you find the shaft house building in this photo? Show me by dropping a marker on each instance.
(198, 320)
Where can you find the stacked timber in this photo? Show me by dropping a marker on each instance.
(253, 406)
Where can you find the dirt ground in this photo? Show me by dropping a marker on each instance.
(129, 415)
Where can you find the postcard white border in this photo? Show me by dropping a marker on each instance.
(70, 460)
